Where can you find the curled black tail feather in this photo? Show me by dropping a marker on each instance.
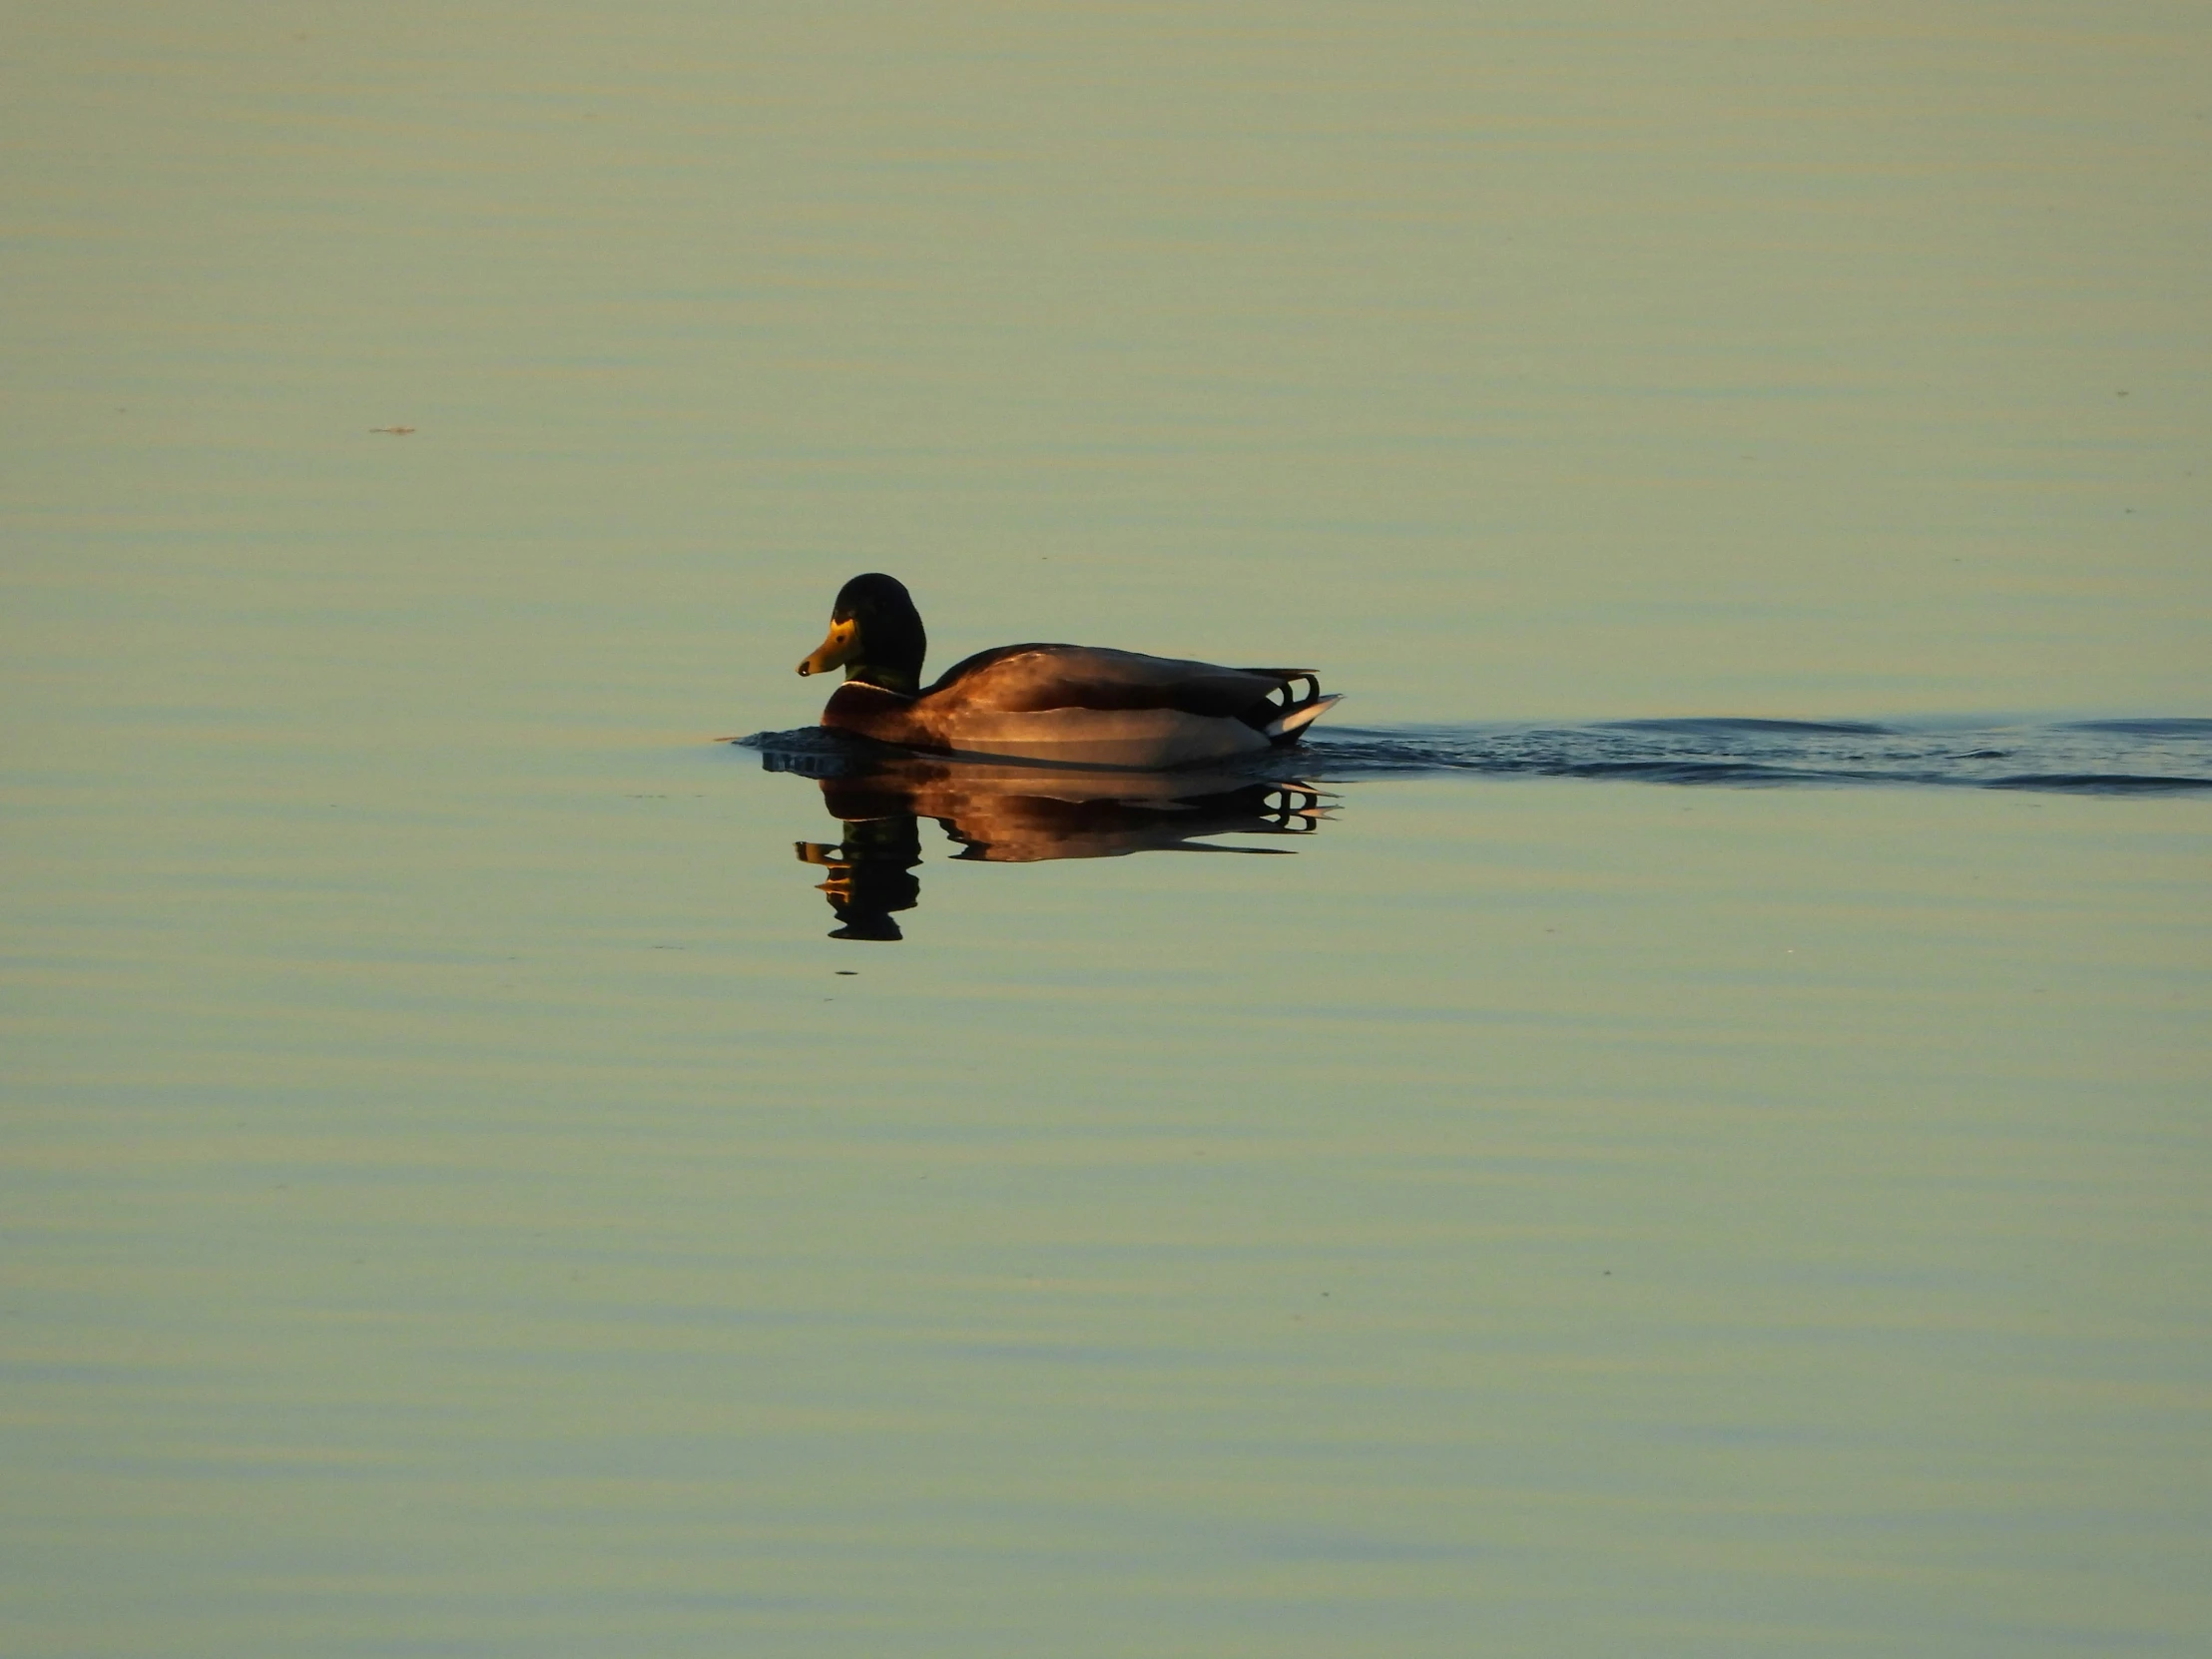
(1297, 691)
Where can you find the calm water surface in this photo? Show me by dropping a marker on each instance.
(458, 1199)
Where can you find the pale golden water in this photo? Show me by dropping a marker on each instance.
(455, 1200)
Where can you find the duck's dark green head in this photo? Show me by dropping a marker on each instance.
(874, 635)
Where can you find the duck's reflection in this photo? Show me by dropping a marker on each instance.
(1013, 814)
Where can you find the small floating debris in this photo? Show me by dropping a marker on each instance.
(393, 431)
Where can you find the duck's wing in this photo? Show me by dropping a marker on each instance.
(1081, 705)
(1031, 678)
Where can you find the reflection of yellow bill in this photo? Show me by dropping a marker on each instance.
(832, 858)
(836, 651)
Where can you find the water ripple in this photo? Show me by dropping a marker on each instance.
(2163, 756)
(2110, 756)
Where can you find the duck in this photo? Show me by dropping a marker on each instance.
(1067, 704)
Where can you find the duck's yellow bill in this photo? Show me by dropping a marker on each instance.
(836, 651)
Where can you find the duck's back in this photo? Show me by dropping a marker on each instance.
(1030, 678)
(1093, 705)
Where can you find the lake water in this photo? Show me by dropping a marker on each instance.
(1699, 1149)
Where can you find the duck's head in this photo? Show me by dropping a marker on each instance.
(874, 635)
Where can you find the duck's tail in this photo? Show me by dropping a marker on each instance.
(1292, 726)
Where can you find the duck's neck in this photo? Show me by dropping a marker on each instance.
(893, 645)
(891, 677)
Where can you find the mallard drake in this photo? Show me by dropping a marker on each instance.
(1076, 705)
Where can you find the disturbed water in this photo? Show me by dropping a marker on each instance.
(2097, 756)
(467, 1186)
(994, 810)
